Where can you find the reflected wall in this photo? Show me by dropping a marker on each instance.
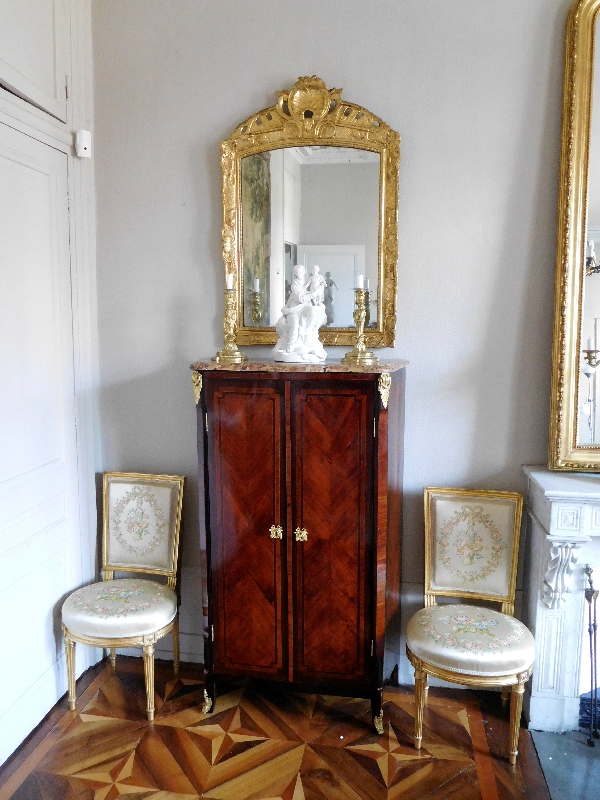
(318, 206)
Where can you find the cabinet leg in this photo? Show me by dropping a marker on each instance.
(377, 709)
(210, 694)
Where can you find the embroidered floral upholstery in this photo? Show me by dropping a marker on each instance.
(140, 525)
(470, 640)
(471, 547)
(121, 608)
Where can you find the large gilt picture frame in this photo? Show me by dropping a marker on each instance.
(310, 114)
(564, 452)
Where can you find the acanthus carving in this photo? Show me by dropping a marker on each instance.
(197, 384)
(384, 385)
(559, 574)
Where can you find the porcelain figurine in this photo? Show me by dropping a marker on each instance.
(301, 318)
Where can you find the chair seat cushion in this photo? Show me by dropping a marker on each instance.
(118, 609)
(470, 640)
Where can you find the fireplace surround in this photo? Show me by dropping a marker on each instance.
(563, 535)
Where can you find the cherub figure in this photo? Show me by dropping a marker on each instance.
(316, 285)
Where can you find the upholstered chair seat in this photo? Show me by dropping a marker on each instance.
(121, 608)
(470, 640)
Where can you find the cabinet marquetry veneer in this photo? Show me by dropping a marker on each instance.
(302, 471)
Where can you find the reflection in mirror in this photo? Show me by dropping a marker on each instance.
(316, 206)
(588, 427)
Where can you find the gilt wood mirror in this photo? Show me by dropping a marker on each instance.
(575, 393)
(312, 180)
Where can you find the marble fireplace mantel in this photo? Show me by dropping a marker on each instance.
(563, 521)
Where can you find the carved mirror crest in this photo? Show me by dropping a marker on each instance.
(312, 180)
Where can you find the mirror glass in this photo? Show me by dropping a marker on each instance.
(317, 206)
(588, 422)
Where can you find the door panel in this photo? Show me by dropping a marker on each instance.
(33, 52)
(39, 544)
(332, 463)
(247, 496)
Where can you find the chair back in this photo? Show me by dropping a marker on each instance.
(472, 545)
(141, 521)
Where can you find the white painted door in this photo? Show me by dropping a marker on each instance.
(33, 52)
(39, 543)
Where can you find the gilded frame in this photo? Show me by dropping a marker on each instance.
(177, 482)
(564, 453)
(473, 495)
(310, 113)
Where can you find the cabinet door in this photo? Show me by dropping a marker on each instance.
(247, 497)
(332, 455)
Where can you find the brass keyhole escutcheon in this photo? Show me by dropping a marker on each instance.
(276, 532)
(301, 534)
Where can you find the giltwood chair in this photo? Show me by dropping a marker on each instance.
(140, 534)
(471, 552)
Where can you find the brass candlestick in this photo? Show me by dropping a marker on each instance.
(359, 356)
(255, 310)
(230, 353)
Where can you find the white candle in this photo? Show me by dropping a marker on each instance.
(229, 280)
(360, 281)
(591, 344)
(256, 285)
(366, 283)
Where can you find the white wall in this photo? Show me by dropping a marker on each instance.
(474, 88)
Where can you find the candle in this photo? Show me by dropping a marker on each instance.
(229, 280)
(591, 344)
(367, 284)
(256, 285)
(360, 281)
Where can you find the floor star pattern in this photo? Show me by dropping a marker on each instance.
(261, 743)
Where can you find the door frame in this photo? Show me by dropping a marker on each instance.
(22, 116)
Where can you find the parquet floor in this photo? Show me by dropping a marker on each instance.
(262, 743)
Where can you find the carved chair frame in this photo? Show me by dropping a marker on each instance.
(513, 682)
(146, 641)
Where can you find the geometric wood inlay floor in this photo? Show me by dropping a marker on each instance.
(262, 743)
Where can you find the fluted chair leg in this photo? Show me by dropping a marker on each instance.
(113, 658)
(175, 633)
(516, 706)
(420, 691)
(149, 678)
(70, 653)
(505, 695)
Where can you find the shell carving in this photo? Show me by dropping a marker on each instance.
(309, 100)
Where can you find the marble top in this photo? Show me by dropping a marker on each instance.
(268, 365)
(557, 485)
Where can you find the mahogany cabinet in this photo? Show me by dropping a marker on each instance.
(302, 475)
